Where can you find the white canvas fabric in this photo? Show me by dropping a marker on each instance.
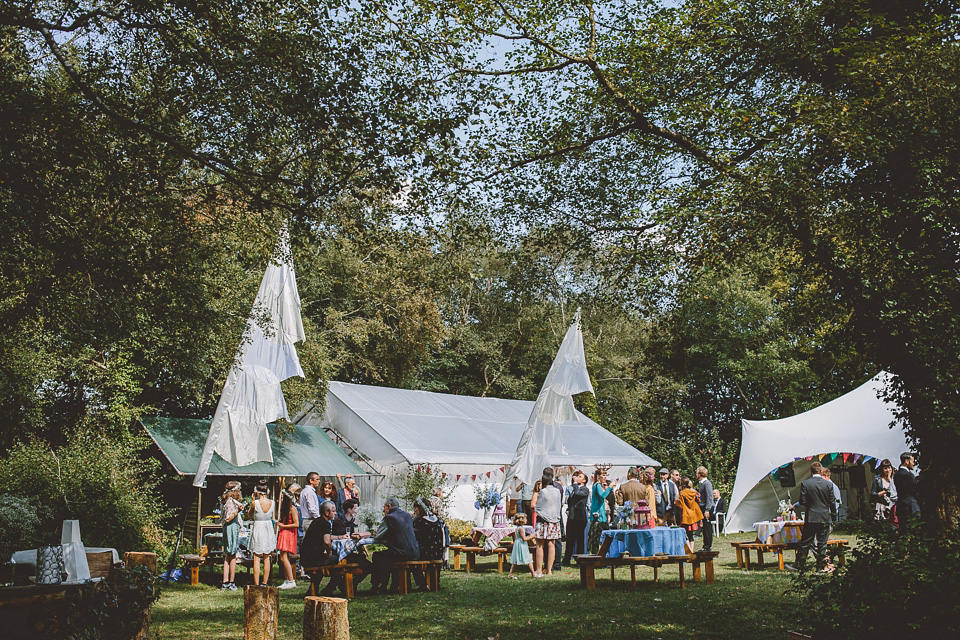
(554, 406)
(252, 396)
(857, 422)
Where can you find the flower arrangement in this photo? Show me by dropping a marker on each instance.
(487, 496)
(785, 508)
(625, 514)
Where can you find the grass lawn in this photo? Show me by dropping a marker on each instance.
(486, 605)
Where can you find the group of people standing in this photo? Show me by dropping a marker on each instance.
(590, 509)
(895, 495)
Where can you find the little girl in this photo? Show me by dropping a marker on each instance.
(521, 552)
(230, 523)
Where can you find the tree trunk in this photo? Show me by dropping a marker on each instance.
(325, 619)
(261, 610)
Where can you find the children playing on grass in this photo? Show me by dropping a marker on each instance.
(520, 554)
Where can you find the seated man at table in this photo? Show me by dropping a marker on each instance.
(396, 533)
(316, 550)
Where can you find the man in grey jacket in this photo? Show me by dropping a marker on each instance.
(705, 500)
(816, 498)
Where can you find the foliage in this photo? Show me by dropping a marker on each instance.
(102, 482)
(486, 496)
(418, 481)
(20, 521)
(117, 608)
(369, 516)
(903, 584)
(459, 529)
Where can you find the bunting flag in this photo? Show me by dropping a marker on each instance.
(567, 377)
(828, 459)
(458, 477)
(252, 396)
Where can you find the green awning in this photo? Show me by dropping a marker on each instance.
(306, 449)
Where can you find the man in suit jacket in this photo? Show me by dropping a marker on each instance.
(816, 498)
(705, 500)
(667, 493)
(631, 490)
(908, 493)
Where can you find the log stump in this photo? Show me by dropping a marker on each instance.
(141, 558)
(261, 609)
(325, 619)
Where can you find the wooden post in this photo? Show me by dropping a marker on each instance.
(138, 558)
(325, 619)
(261, 609)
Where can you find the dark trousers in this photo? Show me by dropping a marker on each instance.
(814, 533)
(527, 509)
(707, 527)
(576, 539)
(382, 564)
(318, 577)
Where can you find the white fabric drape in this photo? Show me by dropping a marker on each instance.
(567, 377)
(252, 396)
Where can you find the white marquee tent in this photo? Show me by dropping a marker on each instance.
(465, 437)
(858, 422)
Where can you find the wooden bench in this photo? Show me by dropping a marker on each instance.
(342, 570)
(192, 562)
(835, 546)
(588, 565)
(402, 570)
(457, 549)
(473, 552)
(744, 549)
(706, 559)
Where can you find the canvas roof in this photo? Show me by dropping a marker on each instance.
(307, 449)
(857, 422)
(395, 426)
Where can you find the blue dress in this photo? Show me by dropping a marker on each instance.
(521, 552)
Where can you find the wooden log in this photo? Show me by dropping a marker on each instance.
(261, 609)
(325, 619)
(141, 558)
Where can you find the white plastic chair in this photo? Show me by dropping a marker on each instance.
(718, 523)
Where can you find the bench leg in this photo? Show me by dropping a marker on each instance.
(587, 580)
(656, 573)
(709, 564)
(760, 558)
(499, 563)
(740, 558)
(611, 572)
(194, 575)
(456, 559)
(780, 558)
(471, 561)
(696, 571)
(683, 580)
(633, 577)
(348, 584)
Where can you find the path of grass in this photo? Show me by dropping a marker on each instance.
(487, 605)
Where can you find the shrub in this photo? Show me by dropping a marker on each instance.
(116, 609)
(418, 482)
(895, 585)
(19, 524)
(459, 529)
(101, 482)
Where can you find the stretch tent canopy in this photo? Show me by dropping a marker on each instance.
(858, 421)
(307, 449)
(466, 437)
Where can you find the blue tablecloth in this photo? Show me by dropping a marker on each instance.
(646, 542)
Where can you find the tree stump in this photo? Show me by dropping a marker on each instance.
(141, 558)
(261, 609)
(325, 619)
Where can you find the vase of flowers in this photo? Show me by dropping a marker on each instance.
(487, 499)
(625, 515)
(785, 509)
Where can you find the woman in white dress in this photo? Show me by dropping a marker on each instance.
(263, 538)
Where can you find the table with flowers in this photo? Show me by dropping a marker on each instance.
(779, 531)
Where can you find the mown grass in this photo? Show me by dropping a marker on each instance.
(485, 605)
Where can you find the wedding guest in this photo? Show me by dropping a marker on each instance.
(883, 492)
(263, 540)
(908, 493)
(428, 530)
(520, 554)
(690, 514)
(309, 502)
(705, 489)
(577, 511)
(599, 492)
(546, 505)
(667, 492)
(230, 530)
(396, 533)
(327, 492)
(348, 490)
(287, 540)
(719, 507)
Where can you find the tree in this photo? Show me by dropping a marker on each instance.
(826, 129)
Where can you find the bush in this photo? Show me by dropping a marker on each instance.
(99, 481)
(459, 529)
(116, 609)
(895, 585)
(19, 524)
(418, 482)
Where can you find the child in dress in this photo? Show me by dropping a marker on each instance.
(521, 552)
(230, 522)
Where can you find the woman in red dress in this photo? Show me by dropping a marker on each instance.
(287, 538)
